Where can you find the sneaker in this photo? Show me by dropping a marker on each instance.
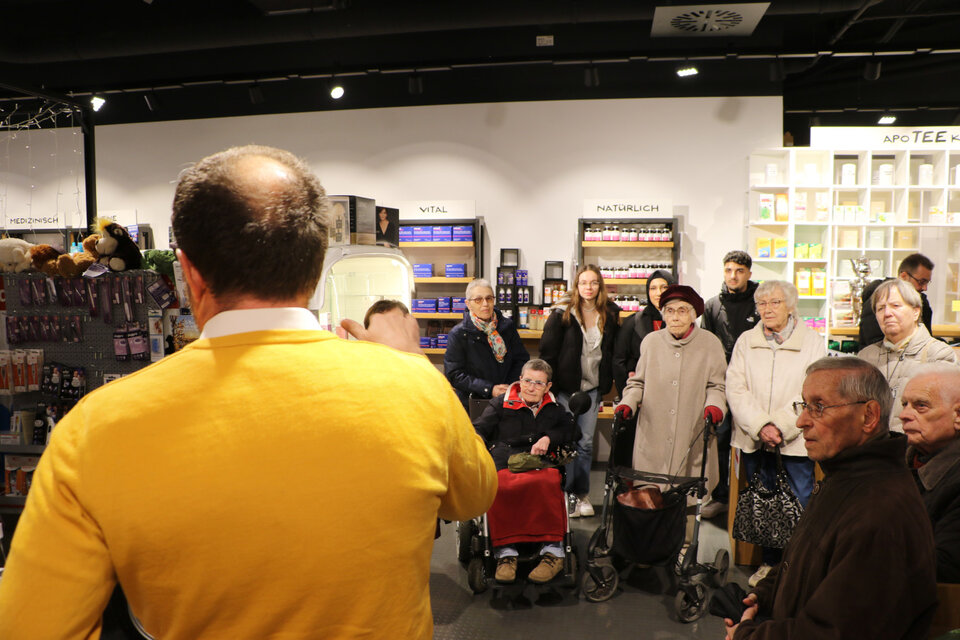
(573, 507)
(506, 569)
(713, 509)
(550, 565)
(759, 575)
(586, 509)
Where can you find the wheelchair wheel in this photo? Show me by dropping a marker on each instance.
(477, 575)
(690, 602)
(465, 532)
(721, 564)
(573, 568)
(601, 591)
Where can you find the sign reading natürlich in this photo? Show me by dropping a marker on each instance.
(627, 208)
(879, 138)
(437, 209)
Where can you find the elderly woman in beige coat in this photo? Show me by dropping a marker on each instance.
(764, 379)
(679, 381)
(906, 343)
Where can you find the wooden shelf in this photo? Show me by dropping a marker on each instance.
(939, 331)
(434, 351)
(615, 243)
(627, 314)
(530, 334)
(437, 245)
(438, 316)
(630, 281)
(442, 280)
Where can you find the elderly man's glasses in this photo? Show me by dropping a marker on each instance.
(921, 282)
(773, 304)
(816, 409)
(487, 300)
(532, 383)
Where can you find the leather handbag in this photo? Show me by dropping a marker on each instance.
(767, 517)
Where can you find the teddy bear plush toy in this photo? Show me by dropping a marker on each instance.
(116, 248)
(15, 255)
(43, 258)
(72, 265)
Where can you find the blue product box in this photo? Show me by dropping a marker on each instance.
(441, 341)
(442, 234)
(423, 270)
(433, 343)
(424, 305)
(424, 342)
(422, 234)
(522, 277)
(455, 270)
(458, 304)
(444, 304)
(463, 233)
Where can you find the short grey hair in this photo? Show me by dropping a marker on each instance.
(865, 382)
(768, 287)
(536, 364)
(474, 284)
(910, 295)
(948, 377)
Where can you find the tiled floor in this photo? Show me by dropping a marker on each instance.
(639, 610)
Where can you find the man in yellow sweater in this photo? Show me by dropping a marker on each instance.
(269, 480)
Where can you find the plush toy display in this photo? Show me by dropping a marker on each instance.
(72, 265)
(116, 248)
(14, 255)
(43, 258)
(160, 260)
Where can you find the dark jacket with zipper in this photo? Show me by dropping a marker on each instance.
(507, 425)
(860, 563)
(730, 314)
(939, 484)
(562, 344)
(626, 352)
(470, 365)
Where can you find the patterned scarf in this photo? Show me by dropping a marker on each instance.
(784, 334)
(493, 338)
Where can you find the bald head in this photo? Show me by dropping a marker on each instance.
(252, 220)
(931, 407)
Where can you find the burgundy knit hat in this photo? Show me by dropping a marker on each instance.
(685, 293)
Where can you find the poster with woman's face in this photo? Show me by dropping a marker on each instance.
(388, 226)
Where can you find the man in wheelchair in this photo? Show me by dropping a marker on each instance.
(530, 507)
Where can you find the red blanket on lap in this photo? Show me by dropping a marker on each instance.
(529, 508)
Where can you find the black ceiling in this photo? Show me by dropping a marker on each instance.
(207, 58)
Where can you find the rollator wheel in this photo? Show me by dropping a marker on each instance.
(691, 601)
(477, 575)
(599, 544)
(721, 563)
(465, 533)
(595, 591)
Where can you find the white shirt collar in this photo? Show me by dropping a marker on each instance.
(227, 323)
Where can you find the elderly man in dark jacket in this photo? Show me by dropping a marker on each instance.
(931, 422)
(860, 563)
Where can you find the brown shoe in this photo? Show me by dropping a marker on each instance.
(550, 565)
(506, 569)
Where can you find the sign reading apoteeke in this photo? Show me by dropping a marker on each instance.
(878, 138)
(627, 207)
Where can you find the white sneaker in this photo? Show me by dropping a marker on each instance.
(586, 509)
(573, 507)
(759, 575)
(713, 509)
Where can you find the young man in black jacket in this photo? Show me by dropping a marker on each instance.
(727, 316)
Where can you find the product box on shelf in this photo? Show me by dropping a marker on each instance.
(425, 342)
(441, 341)
(422, 270)
(458, 304)
(764, 246)
(780, 248)
(354, 220)
(463, 233)
(442, 234)
(455, 270)
(444, 304)
(781, 207)
(766, 208)
(406, 234)
(422, 234)
(424, 305)
(815, 251)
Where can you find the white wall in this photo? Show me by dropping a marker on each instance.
(528, 166)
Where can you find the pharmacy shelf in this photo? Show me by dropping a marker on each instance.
(436, 245)
(23, 449)
(442, 280)
(615, 281)
(434, 351)
(530, 334)
(438, 316)
(769, 223)
(812, 297)
(615, 243)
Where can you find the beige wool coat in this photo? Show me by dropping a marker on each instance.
(763, 383)
(899, 366)
(675, 381)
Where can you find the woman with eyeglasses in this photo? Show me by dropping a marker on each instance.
(484, 352)
(764, 380)
(578, 343)
(906, 342)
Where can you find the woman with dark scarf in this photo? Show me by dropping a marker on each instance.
(634, 329)
(484, 352)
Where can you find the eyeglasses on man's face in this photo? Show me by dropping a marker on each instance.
(816, 409)
(773, 304)
(532, 383)
(921, 282)
(484, 300)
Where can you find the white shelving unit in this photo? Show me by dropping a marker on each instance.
(883, 204)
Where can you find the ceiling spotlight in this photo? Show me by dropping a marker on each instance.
(687, 70)
(96, 102)
(336, 92)
(887, 118)
(152, 103)
(415, 84)
(256, 94)
(591, 77)
(871, 70)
